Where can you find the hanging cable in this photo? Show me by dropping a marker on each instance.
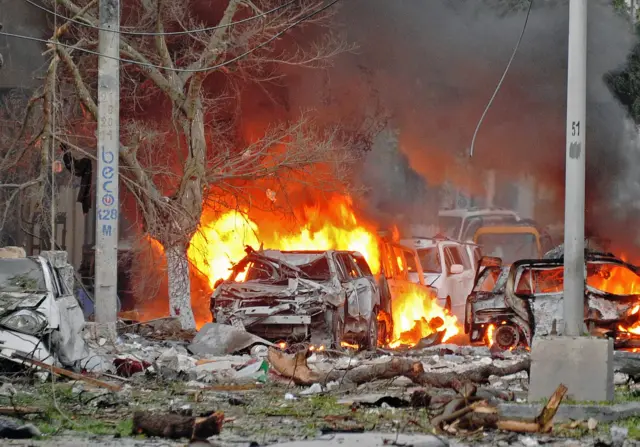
(182, 70)
(504, 75)
(169, 33)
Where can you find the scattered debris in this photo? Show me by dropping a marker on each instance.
(221, 339)
(10, 429)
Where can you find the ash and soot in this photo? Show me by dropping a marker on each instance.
(427, 70)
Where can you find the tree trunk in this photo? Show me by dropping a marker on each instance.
(179, 286)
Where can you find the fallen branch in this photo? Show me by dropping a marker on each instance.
(458, 381)
(487, 417)
(69, 374)
(17, 411)
(175, 426)
(296, 368)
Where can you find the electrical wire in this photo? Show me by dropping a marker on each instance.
(180, 70)
(169, 33)
(504, 75)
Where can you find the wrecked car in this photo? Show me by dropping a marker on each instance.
(325, 297)
(509, 305)
(39, 317)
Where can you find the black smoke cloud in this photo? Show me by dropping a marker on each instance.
(433, 65)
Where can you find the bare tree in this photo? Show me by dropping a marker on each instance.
(183, 72)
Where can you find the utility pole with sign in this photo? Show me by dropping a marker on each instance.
(107, 203)
(583, 364)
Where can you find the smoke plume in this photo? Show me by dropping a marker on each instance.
(433, 67)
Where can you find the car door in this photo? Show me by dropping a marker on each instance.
(398, 260)
(362, 301)
(469, 273)
(455, 284)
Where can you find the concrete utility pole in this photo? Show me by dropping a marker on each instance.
(583, 364)
(107, 203)
(575, 170)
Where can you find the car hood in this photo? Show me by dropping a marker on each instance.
(11, 301)
(255, 289)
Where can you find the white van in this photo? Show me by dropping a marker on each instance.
(448, 266)
(461, 224)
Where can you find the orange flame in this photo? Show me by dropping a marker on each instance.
(416, 315)
(490, 331)
(611, 278)
(220, 243)
(345, 344)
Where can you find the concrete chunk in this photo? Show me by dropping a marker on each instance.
(583, 364)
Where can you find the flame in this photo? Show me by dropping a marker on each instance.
(345, 344)
(489, 334)
(416, 315)
(611, 278)
(219, 243)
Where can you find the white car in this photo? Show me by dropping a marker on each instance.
(447, 266)
(461, 224)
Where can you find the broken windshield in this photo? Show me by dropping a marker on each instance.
(610, 278)
(509, 247)
(430, 260)
(21, 275)
(317, 270)
(449, 225)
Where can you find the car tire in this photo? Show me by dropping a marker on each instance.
(337, 327)
(371, 338)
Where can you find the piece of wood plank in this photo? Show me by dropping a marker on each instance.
(13, 411)
(70, 374)
(545, 418)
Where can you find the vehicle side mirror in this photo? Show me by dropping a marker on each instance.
(456, 269)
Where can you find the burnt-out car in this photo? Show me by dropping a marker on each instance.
(512, 304)
(39, 316)
(325, 297)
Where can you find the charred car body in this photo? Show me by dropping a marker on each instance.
(526, 299)
(39, 317)
(325, 297)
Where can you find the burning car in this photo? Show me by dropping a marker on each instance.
(327, 297)
(39, 317)
(509, 305)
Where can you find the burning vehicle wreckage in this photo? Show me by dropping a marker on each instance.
(329, 298)
(509, 305)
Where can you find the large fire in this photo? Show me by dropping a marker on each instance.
(220, 242)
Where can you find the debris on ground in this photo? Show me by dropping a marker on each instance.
(175, 426)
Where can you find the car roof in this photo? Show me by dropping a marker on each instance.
(473, 212)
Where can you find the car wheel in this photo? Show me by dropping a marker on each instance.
(371, 340)
(328, 332)
(337, 328)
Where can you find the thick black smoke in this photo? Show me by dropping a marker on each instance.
(433, 65)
